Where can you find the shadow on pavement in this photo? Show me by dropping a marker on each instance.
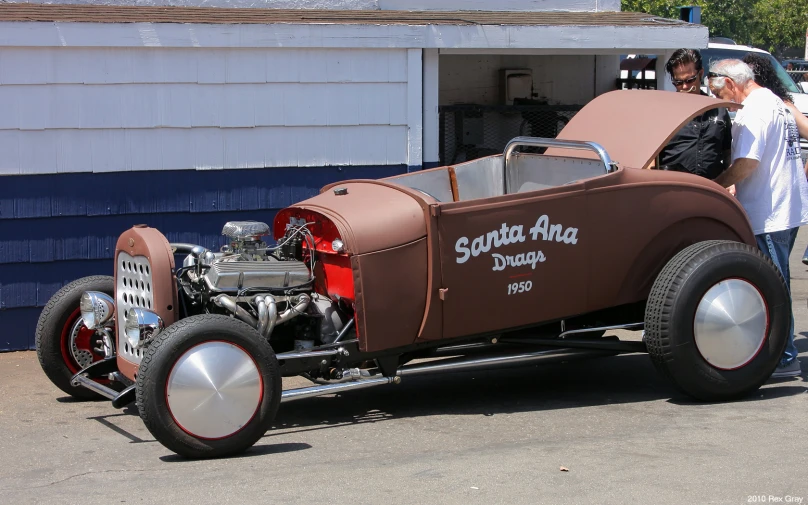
(802, 343)
(257, 450)
(70, 399)
(608, 381)
(624, 379)
(129, 410)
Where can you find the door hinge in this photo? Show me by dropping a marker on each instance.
(442, 293)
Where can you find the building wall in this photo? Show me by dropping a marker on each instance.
(95, 140)
(105, 110)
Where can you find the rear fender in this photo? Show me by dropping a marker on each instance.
(663, 246)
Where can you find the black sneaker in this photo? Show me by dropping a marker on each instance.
(790, 370)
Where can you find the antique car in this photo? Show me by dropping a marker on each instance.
(512, 259)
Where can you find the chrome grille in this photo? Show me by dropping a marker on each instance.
(133, 289)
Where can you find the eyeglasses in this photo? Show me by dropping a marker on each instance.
(689, 80)
(713, 75)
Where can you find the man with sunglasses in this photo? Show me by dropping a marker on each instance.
(767, 172)
(702, 146)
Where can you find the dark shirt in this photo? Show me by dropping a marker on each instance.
(699, 146)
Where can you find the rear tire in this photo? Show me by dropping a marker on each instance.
(717, 320)
(58, 322)
(209, 386)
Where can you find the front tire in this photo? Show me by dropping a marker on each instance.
(209, 386)
(64, 345)
(717, 320)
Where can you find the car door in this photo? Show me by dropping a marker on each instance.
(513, 260)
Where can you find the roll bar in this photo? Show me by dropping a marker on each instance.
(608, 164)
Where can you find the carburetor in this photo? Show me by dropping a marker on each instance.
(245, 239)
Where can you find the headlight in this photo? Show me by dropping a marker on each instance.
(142, 326)
(96, 309)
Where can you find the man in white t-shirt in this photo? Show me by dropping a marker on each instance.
(767, 173)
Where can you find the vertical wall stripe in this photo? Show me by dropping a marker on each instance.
(662, 80)
(414, 108)
(431, 88)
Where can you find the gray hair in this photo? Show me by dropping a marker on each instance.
(736, 70)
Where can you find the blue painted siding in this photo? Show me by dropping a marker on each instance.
(22, 323)
(57, 228)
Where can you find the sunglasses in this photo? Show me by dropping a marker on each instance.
(689, 80)
(713, 75)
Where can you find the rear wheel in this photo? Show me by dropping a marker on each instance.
(717, 320)
(209, 386)
(63, 344)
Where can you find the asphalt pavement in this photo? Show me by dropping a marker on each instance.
(602, 431)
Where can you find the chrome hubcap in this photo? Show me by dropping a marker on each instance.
(214, 389)
(731, 324)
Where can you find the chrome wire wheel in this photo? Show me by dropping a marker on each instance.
(731, 324)
(214, 390)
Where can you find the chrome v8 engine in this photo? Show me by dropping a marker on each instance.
(245, 262)
(266, 287)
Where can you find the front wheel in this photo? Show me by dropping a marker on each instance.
(209, 386)
(717, 320)
(63, 344)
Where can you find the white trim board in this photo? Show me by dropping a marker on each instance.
(415, 132)
(121, 150)
(578, 39)
(431, 117)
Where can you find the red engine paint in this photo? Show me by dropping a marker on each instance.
(333, 275)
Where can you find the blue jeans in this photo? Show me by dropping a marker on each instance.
(777, 246)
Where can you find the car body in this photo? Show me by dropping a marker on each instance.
(506, 260)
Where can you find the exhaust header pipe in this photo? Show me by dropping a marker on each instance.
(268, 316)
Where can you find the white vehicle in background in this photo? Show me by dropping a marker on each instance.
(720, 51)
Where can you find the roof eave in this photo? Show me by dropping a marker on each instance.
(558, 38)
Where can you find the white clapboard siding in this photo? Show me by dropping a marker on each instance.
(120, 109)
(57, 106)
(112, 150)
(68, 65)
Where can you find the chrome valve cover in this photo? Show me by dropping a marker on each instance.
(230, 276)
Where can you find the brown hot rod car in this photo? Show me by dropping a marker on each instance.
(506, 260)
